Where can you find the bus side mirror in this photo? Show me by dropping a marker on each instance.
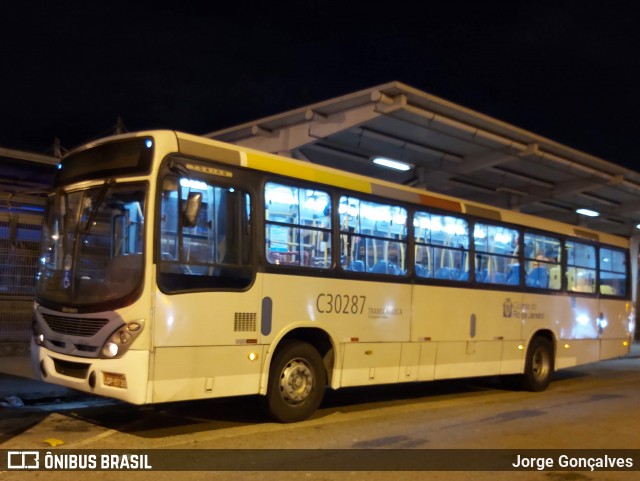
(192, 209)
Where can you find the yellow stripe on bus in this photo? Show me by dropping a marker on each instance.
(304, 172)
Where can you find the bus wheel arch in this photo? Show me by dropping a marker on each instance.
(298, 375)
(539, 363)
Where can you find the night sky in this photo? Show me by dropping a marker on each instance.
(568, 71)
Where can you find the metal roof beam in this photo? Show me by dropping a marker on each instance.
(488, 159)
(533, 181)
(483, 161)
(629, 207)
(349, 118)
(368, 133)
(574, 186)
(315, 126)
(28, 156)
(16, 200)
(337, 150)
(599, 200)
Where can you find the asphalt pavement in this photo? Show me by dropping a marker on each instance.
(18, 385)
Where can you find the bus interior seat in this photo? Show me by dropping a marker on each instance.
(513, 276)
(481, 275)
(444, 273)
(384, 267)
(357, 266)
(495, 278)
(421, 271)
(538, 277)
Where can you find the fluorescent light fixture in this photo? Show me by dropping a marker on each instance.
(392, 164)
(637, 226)
(588, 212)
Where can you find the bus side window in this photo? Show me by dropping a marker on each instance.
(442, 247)
(542, 261)
(297, 227)
(373, 237)
(613, 272)
(581, 267)
(496, 254)
(210, 250)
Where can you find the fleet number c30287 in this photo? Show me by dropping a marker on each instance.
(327, 303)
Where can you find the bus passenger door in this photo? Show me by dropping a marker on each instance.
(209, 301)
(615, 316)
(578, 331)
(615, 321)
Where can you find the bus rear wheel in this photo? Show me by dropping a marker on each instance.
(539, 365)
(297, 381)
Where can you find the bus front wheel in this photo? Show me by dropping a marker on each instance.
(539, 365)
(297, 381)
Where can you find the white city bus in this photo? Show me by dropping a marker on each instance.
(176, 267)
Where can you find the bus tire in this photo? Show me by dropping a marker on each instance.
(297, 381)
(539, 365)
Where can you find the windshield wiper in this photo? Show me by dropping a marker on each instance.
(94, 209)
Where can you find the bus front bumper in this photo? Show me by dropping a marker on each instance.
(125, 378)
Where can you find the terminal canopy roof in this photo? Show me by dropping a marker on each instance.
(25, 177)
(452, 150)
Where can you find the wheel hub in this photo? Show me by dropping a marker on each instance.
(540, 364)
(296, 382)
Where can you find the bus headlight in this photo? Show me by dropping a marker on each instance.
(110, 349)
(119, 342)
(38, 336)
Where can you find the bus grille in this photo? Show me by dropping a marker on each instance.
(244, 321)
(74, 326)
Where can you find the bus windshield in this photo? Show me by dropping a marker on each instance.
(92, 246)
